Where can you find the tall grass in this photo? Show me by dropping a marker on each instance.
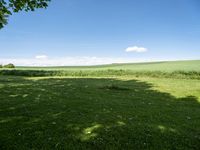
(103, 73)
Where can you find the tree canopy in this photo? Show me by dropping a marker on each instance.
(7, 7)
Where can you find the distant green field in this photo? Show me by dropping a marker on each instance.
(167, 66)
(174, 69)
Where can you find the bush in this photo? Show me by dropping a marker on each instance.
(1, 66)
(9, 66)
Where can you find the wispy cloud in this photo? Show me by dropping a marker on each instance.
(41, 57)
(136, 49)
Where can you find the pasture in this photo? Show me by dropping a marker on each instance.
(148, 106)
(166, 66)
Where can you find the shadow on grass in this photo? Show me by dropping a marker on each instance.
(89, 113)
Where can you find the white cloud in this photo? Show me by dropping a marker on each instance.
(67, 61)
(41, 57)
(136, 49)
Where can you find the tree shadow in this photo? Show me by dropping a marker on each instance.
(94, 113)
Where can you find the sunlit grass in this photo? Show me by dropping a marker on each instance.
(173, 70)
(167, 66)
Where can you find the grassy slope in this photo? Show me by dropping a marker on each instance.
(99, 113)
(193, 65)
(176, 69)
(164, 66)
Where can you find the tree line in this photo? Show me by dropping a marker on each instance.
(10, 65)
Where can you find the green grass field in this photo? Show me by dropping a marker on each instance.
(167, 66)
(102, 111)
(174, 69)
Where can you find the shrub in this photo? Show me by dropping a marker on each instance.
(9, 66)
(114, 87)
(1, 66)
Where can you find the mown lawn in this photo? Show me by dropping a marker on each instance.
(99, 113)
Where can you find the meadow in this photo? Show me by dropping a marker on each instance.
(119, 106)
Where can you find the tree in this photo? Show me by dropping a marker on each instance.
(7, 7)
(9, 66)
(1, 66)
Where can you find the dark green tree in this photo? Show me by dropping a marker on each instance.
(8, 7)
(9, 66)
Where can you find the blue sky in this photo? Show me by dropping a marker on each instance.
(87, 32)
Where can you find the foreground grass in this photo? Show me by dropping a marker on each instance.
(99, 113)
